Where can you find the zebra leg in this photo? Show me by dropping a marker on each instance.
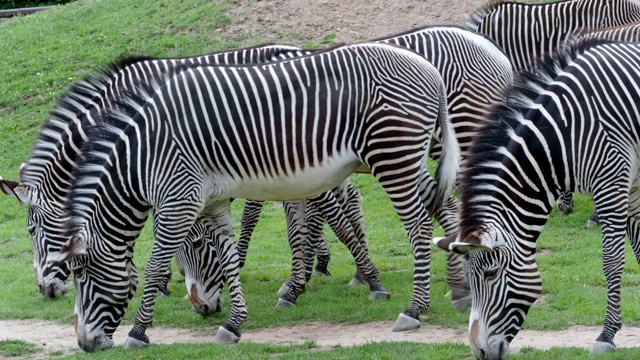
(316, 244)
(297, 234)
(448, 218)
(401, 183)
(338, 222)
(614, 223)
(323, 255)
(224, 237)
(633, 222)
(250, 215)
(593, 219)
(351, 203)
(164, 248)
(565, 203)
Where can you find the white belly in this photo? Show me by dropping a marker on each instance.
(300, 185)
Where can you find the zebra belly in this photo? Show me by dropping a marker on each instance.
(299, 184)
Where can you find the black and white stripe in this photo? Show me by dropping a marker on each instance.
(46, 175)
(278, 131)
(569, 125)
(475, 73)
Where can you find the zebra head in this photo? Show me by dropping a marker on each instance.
(198, 257)
(41, 219)
(504, 284)
(101, 282)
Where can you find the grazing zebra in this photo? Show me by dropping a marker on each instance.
(46, 175)
(475, 73)
(630, 32)
(300, 127)
(572, 124)
(528, 31)
(200, 264)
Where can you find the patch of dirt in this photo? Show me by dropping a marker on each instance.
(60, 338)
(292, 21)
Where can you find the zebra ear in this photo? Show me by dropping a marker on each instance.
(22, 192)
(444, 243)
(485, 239)
(72, 248)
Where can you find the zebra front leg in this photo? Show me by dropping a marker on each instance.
(338, 222)
(222, 225)
(614, 222)
(168, 234)
(297, 234)
(250, 215)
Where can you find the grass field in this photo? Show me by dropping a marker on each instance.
(43, 53)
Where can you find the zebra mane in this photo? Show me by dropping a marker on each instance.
(104, 137)
(69, 109)
(477, 17)
(505, 117)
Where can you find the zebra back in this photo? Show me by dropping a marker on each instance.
(528, 31)
(474, 70)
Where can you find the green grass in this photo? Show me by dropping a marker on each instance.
(16, 348)
(43, 53)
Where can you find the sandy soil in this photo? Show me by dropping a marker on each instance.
(291, 21)
(52, 337)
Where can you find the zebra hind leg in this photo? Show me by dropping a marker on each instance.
(447, 217)
(340, 225)
(316, 244)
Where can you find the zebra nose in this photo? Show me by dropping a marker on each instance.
(482, 355)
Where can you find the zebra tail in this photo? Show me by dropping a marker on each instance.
(449, 162)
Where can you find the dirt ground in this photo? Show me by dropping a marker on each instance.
(291, 20)
(52, 337)
(295, 21)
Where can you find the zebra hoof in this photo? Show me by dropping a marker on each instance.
(358, 279)
(600, 347)
(284, 288)
(225, 336)
(133, 343)
(283, 304)
(322, 270)
(383, 294)
(593, 220)
(405, 323)
(164, 291)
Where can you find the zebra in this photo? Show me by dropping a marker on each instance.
(45, 176)
(528, 31)
(629, 32)
(364, 104)
(571, 124)
(199, 259)
(475, 72)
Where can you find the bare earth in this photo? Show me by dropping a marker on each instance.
(61, 337)
(296, 22)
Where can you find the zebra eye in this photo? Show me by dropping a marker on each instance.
(491, 273)
(32, 230)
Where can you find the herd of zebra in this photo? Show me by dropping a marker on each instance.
(522, 106)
